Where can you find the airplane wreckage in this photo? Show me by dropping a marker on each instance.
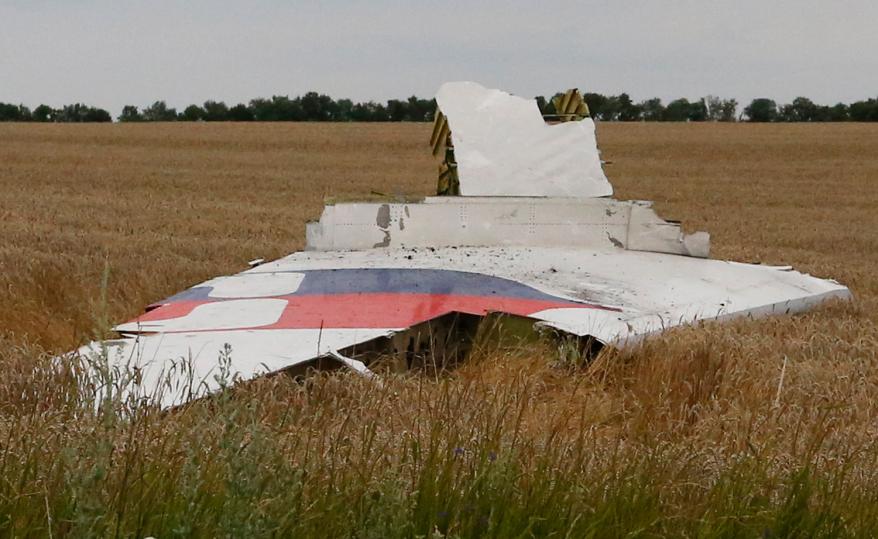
(523, 227)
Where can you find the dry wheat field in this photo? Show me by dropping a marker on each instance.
(755, 428)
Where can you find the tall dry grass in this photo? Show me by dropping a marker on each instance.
(755, 428)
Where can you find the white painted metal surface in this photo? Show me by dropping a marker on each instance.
(652, 291)
(502, 221)
(175, 368)
(504, 148)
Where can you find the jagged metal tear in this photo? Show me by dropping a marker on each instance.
(503, 147)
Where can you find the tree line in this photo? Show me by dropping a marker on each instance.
(314, 106)
(75, 113)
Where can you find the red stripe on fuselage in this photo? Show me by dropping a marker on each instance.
(167, 311)
(397, 310)
(376, 310)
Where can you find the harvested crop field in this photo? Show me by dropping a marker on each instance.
(765, 427)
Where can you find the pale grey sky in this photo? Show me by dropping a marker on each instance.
(112, 53)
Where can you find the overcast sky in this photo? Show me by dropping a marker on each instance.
(112, 53)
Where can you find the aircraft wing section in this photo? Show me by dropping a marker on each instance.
(614, 295)
(175, 367)
(309, 305)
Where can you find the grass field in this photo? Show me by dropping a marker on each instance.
(756, 428)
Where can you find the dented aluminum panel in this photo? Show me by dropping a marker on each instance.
(503, 147)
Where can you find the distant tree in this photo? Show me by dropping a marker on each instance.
(329, 108)
(262, 109)
(418, 109)
(712, 105)
(312, 107)
(79, 112)
(836, 113)
(379, 112)
(130, 113)
(317, 107)
(761, 110)
(652, 110)
(805, 110)
(44, 113)
(360, 113)
(697, 111)
(728, 110)
(288, 109)
(801, 109)
(628, 110)
(14, 113)
(398, 110)
(421, 110)
(677, 110)
(8, 112)
(215, 111)
(192, 113)
(611, 109)
(369, 112)
(279, 108)
(596, 104)
(70, 113)
(720, 110)
(159, 112)
(240, 113)
(864, 111)
(343, 108)
(94, 114)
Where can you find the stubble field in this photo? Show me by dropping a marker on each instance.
(766, 427)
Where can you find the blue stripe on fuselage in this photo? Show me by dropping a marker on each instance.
(395, 281)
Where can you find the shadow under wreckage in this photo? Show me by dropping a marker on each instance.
(447, 341)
